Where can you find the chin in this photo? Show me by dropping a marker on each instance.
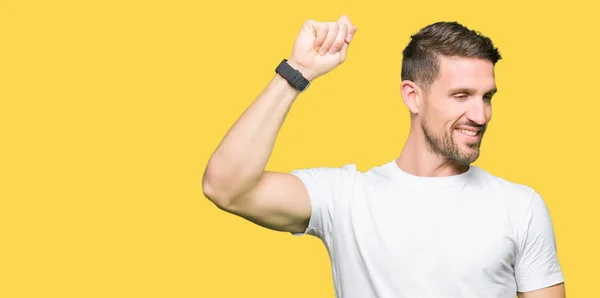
(468, 155)
(472, 157)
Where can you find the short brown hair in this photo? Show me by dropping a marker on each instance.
(451, 39)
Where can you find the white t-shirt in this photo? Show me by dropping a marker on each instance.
(392, 234)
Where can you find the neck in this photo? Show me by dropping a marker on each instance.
(417, 159)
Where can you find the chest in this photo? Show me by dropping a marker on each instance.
(446, 232)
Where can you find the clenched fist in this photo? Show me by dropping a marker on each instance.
(321, 46)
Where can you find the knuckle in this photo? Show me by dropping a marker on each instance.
(309, 23)
(345, 29)
(331, 37)
(322, 35)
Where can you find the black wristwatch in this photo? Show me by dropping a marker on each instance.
(293, 76)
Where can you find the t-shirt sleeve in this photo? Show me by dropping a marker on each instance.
(326, 187)
(537, 265)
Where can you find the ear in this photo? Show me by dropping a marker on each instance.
(412, 96)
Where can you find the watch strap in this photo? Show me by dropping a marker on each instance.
(293, 76)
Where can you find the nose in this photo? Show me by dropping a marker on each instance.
(478, 111)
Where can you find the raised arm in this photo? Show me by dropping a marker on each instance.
(235, 178)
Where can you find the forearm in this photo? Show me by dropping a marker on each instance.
(240, 159)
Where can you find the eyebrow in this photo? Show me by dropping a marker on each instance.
(469, 90)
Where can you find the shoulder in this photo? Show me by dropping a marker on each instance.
(519, 202)
(347, 174)
(512, 192)
(327, 178)
(345, 171)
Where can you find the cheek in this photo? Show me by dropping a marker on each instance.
(442, 114)
(440, 122)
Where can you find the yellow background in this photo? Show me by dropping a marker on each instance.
(111, 109)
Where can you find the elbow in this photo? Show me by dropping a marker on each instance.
(217, 195)
(225, 188)
(211, 192)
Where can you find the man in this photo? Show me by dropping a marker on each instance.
(428, 223)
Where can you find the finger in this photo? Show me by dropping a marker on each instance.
(344, 19)
(343, 52)
(351, 28)
(331, 34)
(321, 33)
(340, 39)
(351, 31)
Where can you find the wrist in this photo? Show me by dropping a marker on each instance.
(306, 72)
(281, 82)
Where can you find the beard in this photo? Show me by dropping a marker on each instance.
(445, 146)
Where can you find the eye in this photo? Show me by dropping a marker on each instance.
(461, 96)
(488, 98)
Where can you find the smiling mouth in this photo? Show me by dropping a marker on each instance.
(467, 132)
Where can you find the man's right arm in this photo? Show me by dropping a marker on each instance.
(235, 178)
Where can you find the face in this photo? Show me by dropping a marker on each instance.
(457, 109)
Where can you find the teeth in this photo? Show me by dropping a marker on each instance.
(468, 132)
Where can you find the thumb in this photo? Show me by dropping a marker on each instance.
(311, 28)
(319, 32)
